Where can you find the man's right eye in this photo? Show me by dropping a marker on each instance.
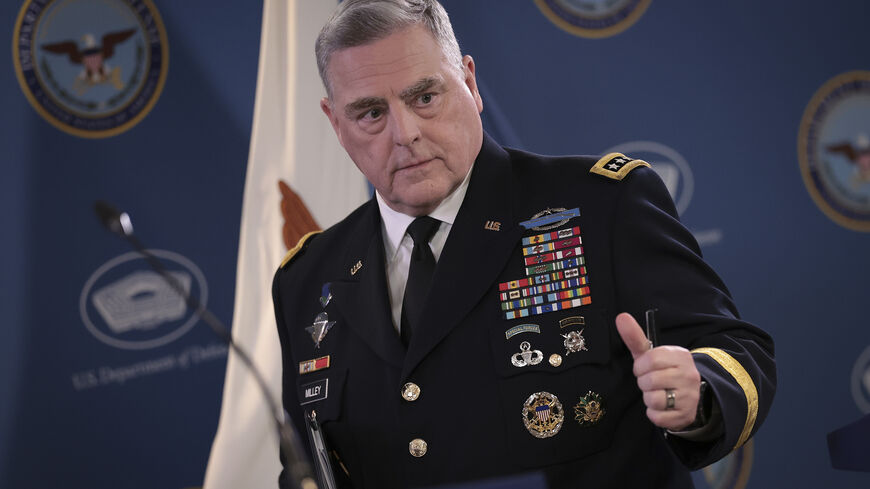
(371, 114)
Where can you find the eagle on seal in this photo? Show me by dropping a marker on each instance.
(93, 58)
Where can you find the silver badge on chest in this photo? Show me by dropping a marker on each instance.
(526, 356)
(574, 342)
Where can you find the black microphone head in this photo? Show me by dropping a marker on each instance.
(112, 219)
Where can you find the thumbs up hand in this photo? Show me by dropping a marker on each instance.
(666, 375)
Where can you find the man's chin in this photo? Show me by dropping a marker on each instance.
(416, 205)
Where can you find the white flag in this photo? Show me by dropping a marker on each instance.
(291, 143)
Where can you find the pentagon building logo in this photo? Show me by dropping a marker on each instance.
(92, 68)
(126, 305)
(593, 18)
(834, 149)
(670, 166)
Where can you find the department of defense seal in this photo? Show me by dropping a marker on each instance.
(834, 149)
(92, 68)
(593, 18)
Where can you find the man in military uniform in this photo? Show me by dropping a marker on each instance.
(476, 318)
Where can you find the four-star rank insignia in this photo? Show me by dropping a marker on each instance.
(589, 410)
(543, 415)
(616, 166)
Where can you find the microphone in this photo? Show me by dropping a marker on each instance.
(113, 220)
(120, 224)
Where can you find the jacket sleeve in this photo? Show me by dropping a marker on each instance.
(658, 264)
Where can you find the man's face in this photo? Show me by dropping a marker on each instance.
(407, 118)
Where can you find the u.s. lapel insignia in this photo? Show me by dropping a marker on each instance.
(313, 365)
(543, 415)
(589, 410)
(325, 294)
(574, 342)
(318, 330)
(550, 218)
(526, 356)
(356, 267)
(492, 226)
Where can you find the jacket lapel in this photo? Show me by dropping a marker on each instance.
(362, 296)
(474, 253)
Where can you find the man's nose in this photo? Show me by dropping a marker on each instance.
(404, 125)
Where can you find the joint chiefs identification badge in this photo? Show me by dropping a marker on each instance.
(543, 415)
(589, 410)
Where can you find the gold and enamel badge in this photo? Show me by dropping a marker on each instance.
(589, 410)
(543, 414)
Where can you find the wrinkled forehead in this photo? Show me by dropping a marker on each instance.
(387, 66)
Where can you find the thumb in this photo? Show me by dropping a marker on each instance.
(632, 334)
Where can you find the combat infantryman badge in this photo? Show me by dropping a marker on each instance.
(589, 410)
(318, 330)
(550, 218)
(574, 342)
(526, 356)
(543, 415)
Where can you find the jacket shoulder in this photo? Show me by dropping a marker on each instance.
(292, 253)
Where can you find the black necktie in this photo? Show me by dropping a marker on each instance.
(420, 272)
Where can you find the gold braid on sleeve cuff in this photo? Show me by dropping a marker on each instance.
(743, 379)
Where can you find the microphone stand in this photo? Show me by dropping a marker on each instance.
(120, 224)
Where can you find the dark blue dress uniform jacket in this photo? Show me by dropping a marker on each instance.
(470, 407)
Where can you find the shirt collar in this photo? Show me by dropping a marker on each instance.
(395, 223)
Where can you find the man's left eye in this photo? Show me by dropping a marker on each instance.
(426, 98)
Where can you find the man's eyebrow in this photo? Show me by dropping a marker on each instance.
(419, 88)
(359, 105)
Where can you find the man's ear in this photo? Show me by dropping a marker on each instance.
(326, 107)
(471, 80)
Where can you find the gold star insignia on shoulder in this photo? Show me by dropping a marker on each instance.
(616, 166)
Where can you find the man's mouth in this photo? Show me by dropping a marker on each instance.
(415, 164)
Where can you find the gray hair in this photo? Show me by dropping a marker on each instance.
(359, 22)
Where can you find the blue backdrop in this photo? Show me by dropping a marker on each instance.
(712, 93)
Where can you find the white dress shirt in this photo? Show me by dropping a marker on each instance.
(398, 244)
